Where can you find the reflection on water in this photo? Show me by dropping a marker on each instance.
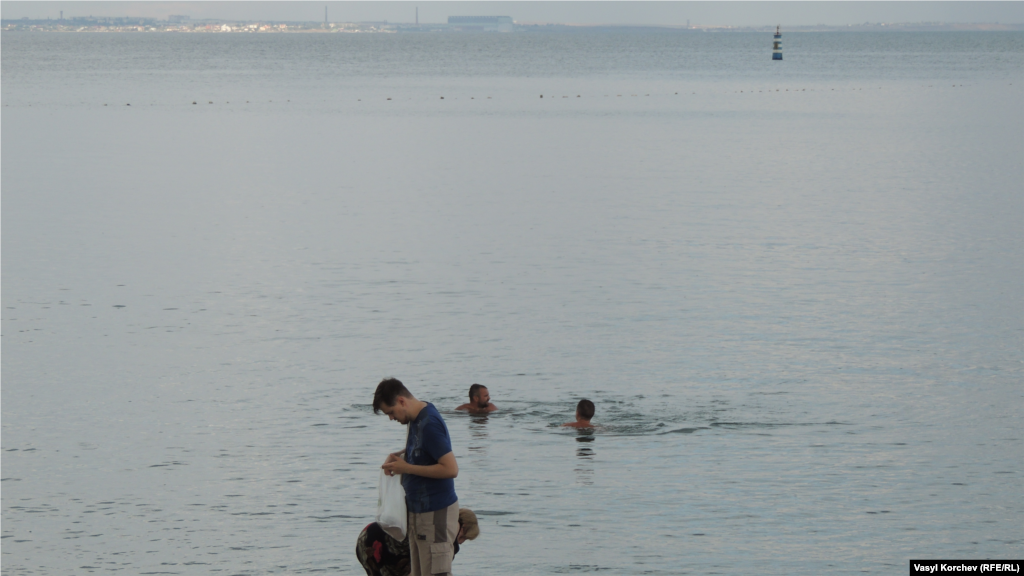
(478, 434)
(478, 424)
(584, 434)
(585, 453)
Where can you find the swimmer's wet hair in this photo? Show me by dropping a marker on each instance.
(468, 519)
(585, 409)
(387, 391)
(475, 390)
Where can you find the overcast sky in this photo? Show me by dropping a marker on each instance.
(736, 13)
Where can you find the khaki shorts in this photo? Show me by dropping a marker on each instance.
(431, 541)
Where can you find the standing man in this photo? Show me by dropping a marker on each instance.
(479, 400)
(428, 470)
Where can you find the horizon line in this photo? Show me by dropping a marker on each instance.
(525, 23)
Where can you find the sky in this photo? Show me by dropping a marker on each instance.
(734, 13)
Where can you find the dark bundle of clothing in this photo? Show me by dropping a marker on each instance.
(382, 555)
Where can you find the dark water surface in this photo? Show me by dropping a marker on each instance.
(793, 291)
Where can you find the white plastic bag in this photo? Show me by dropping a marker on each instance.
(391, 505)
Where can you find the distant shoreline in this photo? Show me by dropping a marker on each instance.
(126, 25)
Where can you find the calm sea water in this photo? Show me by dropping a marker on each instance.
(794, 290)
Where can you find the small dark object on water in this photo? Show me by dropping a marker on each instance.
(442, 97)
(127, 104)
(541, 95)
(193, 102)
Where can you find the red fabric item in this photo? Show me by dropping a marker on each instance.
(376, 550)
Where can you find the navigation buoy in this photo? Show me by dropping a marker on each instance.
(777, 47)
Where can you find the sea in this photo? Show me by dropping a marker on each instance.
(793, 290)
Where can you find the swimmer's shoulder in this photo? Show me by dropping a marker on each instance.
(579, 425)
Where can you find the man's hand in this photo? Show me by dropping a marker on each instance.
(446, 467)
(396, 466)
(391, 459)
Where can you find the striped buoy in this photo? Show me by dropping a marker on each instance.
(777, 47)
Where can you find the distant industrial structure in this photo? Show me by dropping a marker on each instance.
(482, 23)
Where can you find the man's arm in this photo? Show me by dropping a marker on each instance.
(446, 467)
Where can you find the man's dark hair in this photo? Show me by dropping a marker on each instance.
(387, 391)
(475, 390)
(585, 409)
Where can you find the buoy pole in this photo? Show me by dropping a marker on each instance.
(777, 47)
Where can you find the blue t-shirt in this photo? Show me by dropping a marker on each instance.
(428, 441)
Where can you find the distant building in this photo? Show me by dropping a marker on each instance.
(483, 23)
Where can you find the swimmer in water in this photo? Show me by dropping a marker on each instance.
(584, 412)
(479, 401)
